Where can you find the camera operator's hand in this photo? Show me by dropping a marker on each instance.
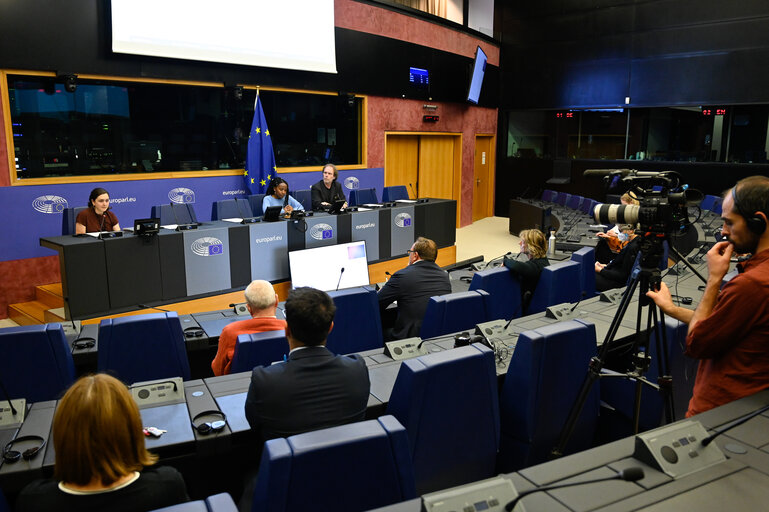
(718, 258)
(664, 300)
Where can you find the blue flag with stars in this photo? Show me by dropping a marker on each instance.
(260, 159)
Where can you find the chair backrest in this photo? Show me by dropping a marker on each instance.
(574, 202)
(357, 323)
(588, 206)
(586, 259)
(711, 203)
(359, 466)
(562, 198)
(504, 292)
(217, 503)
(255, 202)
(543, 380)
(449, 404)
(258, 349)
(36, 362)
(549, 195)
(557, 284)
(69, 215)
(619, 393)
(231, 208)
(174, 214)
(304, 197)
(363, 196)
(143, 347)
(394, 193)
(454, 312)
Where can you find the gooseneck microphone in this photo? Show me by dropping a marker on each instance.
(341, 271)
(714, 435)
(508, 253)
(629, 475)
(413, 191)
(8, 398)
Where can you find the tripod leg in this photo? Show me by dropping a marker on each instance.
(664, 379)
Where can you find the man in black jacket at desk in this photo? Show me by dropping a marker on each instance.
(313, 388)
(412, 287)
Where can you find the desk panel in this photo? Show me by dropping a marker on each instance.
(207, 260)
(133, 270)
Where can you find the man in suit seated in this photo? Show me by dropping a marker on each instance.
(314, 388)
(261, 302)
(412, 287)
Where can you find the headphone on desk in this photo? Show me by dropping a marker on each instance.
(10, 456)
(194, 332)
(207, 427)
(755, 223)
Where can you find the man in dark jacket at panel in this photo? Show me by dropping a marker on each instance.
(412, 287)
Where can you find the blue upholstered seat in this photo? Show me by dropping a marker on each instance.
(143, 347)
(394, 193)
(258, 349)
(711, 203)
(557, 284)
(363, 196)
(35, 362)
(586, 259)
(574, 202)
(504, 292)
(255, 201)
(588, 206)
(231, 208)
(69, 215)
(357, 323)
(174, 214)
(304, 197)
(449, 404)
(353, 467)
(217, 503)
(545, 374)
(454, 312)
(549, 195)
(562, 198)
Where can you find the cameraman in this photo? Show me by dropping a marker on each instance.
(729, 329)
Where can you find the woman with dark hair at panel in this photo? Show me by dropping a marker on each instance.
(97, 217)
(327, 190)
(101, 461)
(533, 245)
(278, 195)
(616, 273)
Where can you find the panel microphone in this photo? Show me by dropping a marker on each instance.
(629, 475)
(413, 191)
(245, 219)
(180, 226)
(341, 271)
(753, 414)
(8, 398)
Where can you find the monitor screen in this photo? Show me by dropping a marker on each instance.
(476, 81)
(333, 267)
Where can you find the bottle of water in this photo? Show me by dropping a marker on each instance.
(551, 244)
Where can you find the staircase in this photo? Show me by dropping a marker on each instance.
(48, 306)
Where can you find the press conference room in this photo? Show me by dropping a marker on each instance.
(460, 122)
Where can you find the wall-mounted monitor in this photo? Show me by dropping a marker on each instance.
(328, 268)
(250, 32)
(476, 80)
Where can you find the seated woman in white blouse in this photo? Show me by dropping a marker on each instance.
(277, 195)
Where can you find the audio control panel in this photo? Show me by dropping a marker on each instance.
(405, 349)
(677, 450)
(158, 392)
(484, 496)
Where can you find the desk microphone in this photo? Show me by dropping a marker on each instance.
(103, 217)
(413, 191)
(714, 435)
(508, 253)
(8, 398)
(341, 271)
(244, 220)
(629, 475)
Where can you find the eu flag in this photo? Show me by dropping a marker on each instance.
(260, 160)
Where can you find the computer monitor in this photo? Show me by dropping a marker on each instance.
(332, 267)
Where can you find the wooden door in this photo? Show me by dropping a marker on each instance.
(482, 177)
(436, 166)
(402, 162)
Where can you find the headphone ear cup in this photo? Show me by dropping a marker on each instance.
(756, 224)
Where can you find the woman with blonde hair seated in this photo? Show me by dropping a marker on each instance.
(101, 461)
(533, 245)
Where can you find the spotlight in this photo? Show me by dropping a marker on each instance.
(69, 80)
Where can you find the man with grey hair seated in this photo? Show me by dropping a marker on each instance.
(262, 303)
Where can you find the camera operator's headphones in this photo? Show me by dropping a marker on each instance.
(755, 223)
(10, 456)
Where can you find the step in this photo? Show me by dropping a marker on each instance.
(54, 315)
(50, 294)
(28, 313)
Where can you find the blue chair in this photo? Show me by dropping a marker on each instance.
(231, 208)
(36, 362)
(504, 292)
(586, 259)
(449, 404)
(174, 214)
(363, 196)
(454, 312)
(549, 195)
(258, 349)
(357, 323)
(255, 201)
(543, 379)
(575, 202)
(562, 198)
(69, 215)
(217, 503)
(143, 347)
(709, 202)
(394, 193)
(588, 206)
(557, 284)
(360, 466)
(619, 393)
(3, 503)
(304, 197)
